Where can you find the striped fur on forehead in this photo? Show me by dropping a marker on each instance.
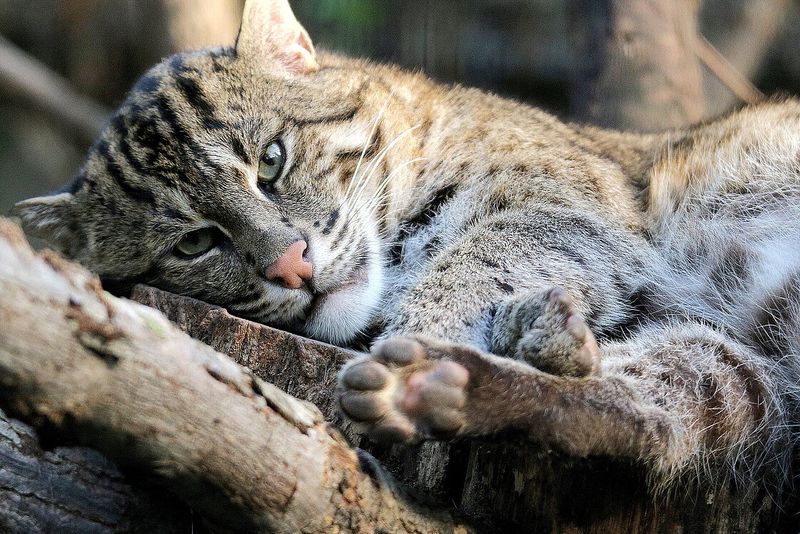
(333, 149)
(163, 130)
(152, 140)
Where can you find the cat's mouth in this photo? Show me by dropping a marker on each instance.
(359, 276)
(339, 312)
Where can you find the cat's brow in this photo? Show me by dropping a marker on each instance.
(225, 157)
(349, 141)
(240, 150)
(196, 98)
(121, 177)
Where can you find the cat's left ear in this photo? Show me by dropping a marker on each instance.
(271, 33)
(50, 218)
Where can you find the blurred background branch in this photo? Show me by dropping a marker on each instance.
(725, 71)
(755, 37)
(33, 82)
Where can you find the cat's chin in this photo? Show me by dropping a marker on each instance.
(341, 314)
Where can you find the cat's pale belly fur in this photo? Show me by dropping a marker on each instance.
(680, 251)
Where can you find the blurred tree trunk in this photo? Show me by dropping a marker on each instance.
(742, 31)
(642, 64)
(635, 66)
(194, 24)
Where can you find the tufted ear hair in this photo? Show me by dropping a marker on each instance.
(270, 33)
(50, 218)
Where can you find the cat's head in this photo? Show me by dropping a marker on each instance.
(228, 175)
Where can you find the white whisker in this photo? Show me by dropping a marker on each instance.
(379, 195)
(369, 141)
(348, 203)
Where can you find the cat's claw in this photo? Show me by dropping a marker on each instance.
(546, 331)
(561, 343)
(401, 395)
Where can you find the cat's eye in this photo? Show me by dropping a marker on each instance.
(198, 242)
(271, 163)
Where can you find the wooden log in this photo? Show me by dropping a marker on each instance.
(502, 483)
(75, 489)
(293, 363)
(89, 368)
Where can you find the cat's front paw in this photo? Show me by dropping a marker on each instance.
(560, 342)
(546, 331)
(401, 394)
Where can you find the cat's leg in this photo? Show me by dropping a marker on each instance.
(544, 329)
(677, 397)
(671, 397)
(513, 254)
(510, 255)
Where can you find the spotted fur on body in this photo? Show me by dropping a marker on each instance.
(442, 218)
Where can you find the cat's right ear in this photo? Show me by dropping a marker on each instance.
(50, 218)
(271, 35)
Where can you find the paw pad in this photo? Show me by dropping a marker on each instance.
(399, 393)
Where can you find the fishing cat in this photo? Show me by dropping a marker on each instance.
(601, 292)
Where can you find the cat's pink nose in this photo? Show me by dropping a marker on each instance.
(291, 269)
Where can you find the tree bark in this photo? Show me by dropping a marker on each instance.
(304, 367)
(85, 367)
(75, 489)
(503, 484)
(635, 63)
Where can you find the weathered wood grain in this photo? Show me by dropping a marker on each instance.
(92, 369)
(75, 489)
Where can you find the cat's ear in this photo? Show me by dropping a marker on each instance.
(271, 33)
(49, 218)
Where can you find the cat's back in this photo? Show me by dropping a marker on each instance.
(750, 152)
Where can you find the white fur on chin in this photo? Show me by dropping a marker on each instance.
(343, 314)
